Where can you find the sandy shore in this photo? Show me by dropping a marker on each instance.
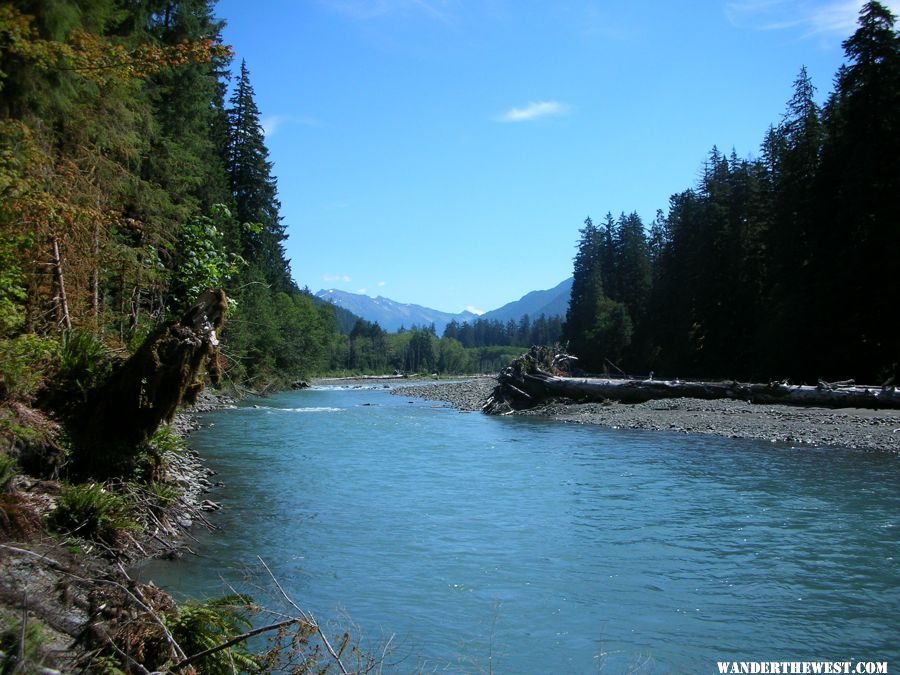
(840, 427)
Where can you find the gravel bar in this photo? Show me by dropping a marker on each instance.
(800, 426)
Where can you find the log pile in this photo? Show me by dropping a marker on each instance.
(528, 380)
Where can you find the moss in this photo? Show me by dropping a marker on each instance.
(120, 417)
(32, 644)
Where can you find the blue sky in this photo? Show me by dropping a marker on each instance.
(446, 152)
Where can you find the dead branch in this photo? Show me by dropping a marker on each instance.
(235, 640)
(308, 617)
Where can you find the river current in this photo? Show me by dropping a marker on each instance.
(513, 545)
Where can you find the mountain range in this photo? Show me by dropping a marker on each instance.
(392, 315)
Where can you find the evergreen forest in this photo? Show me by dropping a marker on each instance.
(770, 268)
(136, 186)
(134, 175)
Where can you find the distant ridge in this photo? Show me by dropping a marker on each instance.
(552, 302)
(344, 318)
(392, 315)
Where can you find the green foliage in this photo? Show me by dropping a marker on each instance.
(83, 362)
(202, 260)
(162, 495)
(166, 439)
(91, 511)
(26, 362)
(8, 471)
(33, 650)
(104, 664)
(200, 626)
(12, 284)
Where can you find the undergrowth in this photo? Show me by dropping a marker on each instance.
(199, 626)
(90, 511)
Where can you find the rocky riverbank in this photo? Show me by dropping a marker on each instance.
(74, 592)
(838, 427)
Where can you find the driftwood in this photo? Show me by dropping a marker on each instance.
(527, 382)
(148, 388)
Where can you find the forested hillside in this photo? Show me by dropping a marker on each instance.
(781, 266)
(132, 181)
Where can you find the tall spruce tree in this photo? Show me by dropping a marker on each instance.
(254, 188)
(792, 153)
(587, 288)
(187, 157)
(859, 204)
(598, 329)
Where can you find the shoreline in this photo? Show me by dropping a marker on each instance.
(45, 566)
(852, 428)
(69, 587)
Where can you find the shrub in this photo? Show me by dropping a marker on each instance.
(92, 512)
(83, 362)
(166, 440)
(200, 626)
(156, 495)
(33, 650)
(8, 471)
(25, 364)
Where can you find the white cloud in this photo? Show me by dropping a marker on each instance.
(382, 284)
(343, 278)
(362, 291)
(474, 310)
(534, 110)
(811, 17)
(271, 123)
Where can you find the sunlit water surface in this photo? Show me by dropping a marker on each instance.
(480, 544)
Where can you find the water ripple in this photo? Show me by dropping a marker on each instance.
(555, 548)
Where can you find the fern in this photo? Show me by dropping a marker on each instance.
(201, 626)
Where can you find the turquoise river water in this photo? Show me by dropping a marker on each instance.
(511, 545)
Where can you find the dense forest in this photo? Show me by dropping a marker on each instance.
(134, 175)
(776, 267)
(131, 182)
(135, 178)
(479, 346)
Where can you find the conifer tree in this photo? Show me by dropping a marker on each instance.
(598, 329)
(858, 215)
(254, 187)
(587, 287)
(187, 158)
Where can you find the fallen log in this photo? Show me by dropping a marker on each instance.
(524, 383)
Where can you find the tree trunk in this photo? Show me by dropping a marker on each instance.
(524, 384)
(62, 304)
(148, 388)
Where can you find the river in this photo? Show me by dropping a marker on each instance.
(511, 545)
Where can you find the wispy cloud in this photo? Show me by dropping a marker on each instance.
(272, 123)
(363, 10)
(810, 17)
(600, 20)
(332, 278)
(474, 310)
(362, 291)
(533, 111)
(382, 284)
